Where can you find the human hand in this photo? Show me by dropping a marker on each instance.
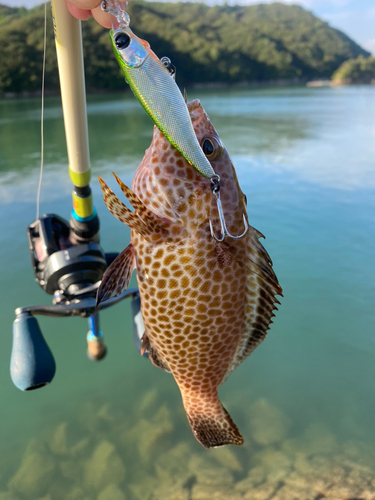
(84, 9)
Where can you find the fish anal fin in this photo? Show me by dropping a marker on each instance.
(117, 277)
(153, 228)
(215, 427)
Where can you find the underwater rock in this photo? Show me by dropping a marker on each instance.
(268, 424)
(7, 495)
(146, 403)
(105, 413)
(256, 476)
(208, 473)
(171, 491)
(111, 492)
(105, 467)
(70, 469)
(172, 465)
(263, 492)
(35, 473)
(96, 418)
(59, 442)
(225, 456)
(80, 447)
(205, 492)
(273, 467)
(359, 452)
(77, 493)
(316, 439)
(144, 490)
(146, 433)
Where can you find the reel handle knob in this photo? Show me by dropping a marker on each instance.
(96, 350)
(32, 364)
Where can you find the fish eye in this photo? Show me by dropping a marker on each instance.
(122, 40)
(212, 148)
(208, 147)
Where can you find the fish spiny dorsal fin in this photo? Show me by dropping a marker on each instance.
(261, 290)
(136, 203)
(152, 227)
(185, 95)
(117, 277)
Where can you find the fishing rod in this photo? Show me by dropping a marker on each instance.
(67, 258)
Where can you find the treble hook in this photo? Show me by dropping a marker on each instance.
(215, 181)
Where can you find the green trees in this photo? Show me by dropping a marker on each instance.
(359, 70)
(222, 44)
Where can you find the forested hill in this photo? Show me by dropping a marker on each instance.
(227, 44)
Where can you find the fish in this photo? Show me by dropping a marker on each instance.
(206, 304)
(154, 87)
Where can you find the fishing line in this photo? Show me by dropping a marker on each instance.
(42, 112)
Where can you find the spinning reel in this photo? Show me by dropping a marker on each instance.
(71, 272)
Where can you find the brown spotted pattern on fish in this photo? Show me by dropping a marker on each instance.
(205, 304)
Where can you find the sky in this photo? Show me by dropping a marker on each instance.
(356, 18)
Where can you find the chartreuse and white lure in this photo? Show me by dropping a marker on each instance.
(154, 87)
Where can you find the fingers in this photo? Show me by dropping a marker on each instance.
(84, 9)
(103, 18)
(81, 14)
(85, 4)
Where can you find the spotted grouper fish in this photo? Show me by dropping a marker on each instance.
(206, 304)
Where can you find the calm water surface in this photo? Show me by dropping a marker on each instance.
(305, 159)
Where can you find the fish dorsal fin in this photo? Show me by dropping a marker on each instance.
(117, 276)
(153, 228)
(261, 289)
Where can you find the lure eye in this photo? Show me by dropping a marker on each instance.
(212, 148)
(122, 40)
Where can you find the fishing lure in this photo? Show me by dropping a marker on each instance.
(151, 83)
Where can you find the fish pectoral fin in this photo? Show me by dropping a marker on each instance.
(215, 427)
(117, 277)
(153, 228)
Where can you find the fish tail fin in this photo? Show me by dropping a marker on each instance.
(213, 427)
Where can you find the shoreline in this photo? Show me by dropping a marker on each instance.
(205, 86)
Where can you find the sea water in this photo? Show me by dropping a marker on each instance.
(304, 400)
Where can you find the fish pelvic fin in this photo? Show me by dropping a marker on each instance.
(153, 354)
(117, 276)
(214, 427)
(153, 228)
